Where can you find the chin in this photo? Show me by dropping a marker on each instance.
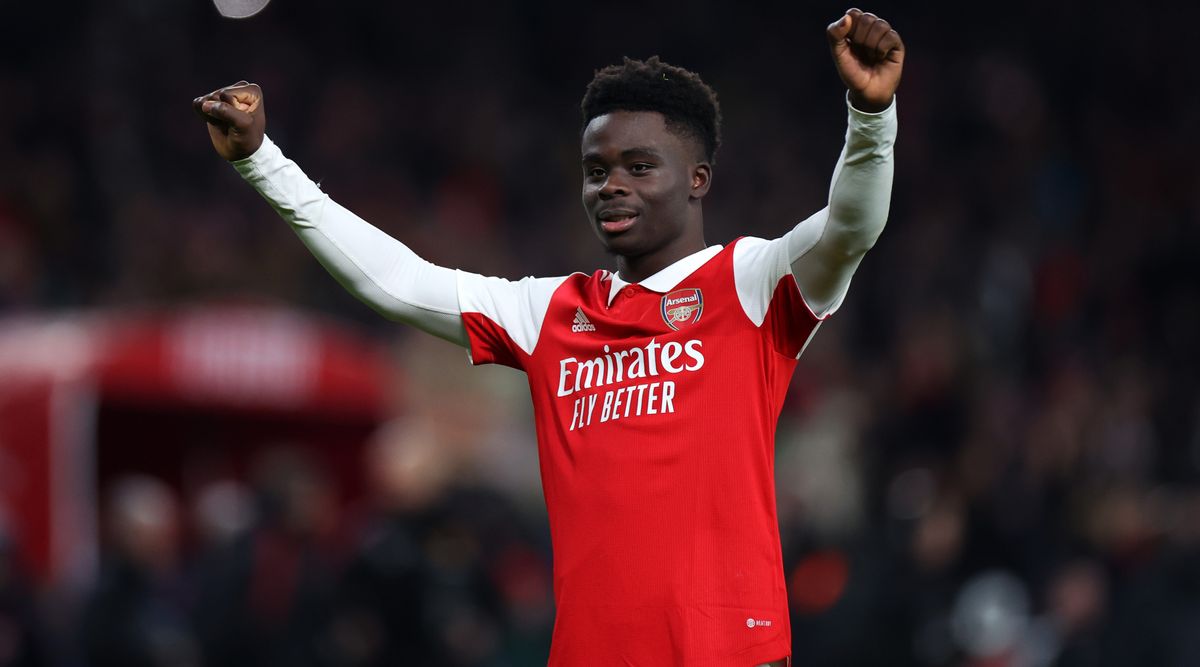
(621, 245)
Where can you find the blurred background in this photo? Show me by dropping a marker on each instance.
(212, 455)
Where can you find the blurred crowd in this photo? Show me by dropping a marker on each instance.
(272, 571)
(990, 455)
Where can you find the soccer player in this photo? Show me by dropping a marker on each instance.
(657, 387)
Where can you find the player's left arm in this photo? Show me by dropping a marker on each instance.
(826, 249)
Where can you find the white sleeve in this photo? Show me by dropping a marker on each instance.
(826, 249)
(381, 271)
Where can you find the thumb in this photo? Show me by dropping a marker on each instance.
(225, 114)
(839, 30)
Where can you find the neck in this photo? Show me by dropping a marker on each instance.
(636, 269)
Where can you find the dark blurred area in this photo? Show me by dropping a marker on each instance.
(990, 456)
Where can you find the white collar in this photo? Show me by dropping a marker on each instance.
(667, 278)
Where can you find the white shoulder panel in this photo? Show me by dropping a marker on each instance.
(758, 264)
(519, 307)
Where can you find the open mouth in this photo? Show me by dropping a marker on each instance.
(614, 221)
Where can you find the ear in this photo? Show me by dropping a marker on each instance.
(701, 179)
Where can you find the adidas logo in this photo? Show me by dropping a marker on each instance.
(581, 323)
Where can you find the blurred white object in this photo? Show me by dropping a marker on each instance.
(240, 9)
(991, 614)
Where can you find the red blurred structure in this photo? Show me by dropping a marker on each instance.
(187, 395)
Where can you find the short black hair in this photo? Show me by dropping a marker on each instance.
(689, 105)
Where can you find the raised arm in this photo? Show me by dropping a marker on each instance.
(381, 271)
(826, 249)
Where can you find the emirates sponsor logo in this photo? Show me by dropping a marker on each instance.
(626, 383)
(682, 307)
(616, 366)
(582, 323)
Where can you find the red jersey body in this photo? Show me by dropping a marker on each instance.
(656, 406)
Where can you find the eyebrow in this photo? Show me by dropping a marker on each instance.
(625, 154)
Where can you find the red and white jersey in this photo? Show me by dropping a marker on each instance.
(656, 405)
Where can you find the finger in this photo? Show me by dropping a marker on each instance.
(216, 94)
(875, 35)
(892, 47)
(235, 87)
(241, 100)
(862, 26)
(226, 113)
(246, 97)
(198, 107)
(837, 31)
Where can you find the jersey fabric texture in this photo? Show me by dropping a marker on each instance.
(656, 405)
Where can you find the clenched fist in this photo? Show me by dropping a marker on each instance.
(236, 119)
(869, 57)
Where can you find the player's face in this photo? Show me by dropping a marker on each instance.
(639, 179)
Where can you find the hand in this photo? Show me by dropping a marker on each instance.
(236, 119)
(869, 57)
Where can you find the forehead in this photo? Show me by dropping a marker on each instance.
(618, 131)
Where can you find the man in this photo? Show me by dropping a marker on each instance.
(657, 388)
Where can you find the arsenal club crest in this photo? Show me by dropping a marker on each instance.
(682, 307)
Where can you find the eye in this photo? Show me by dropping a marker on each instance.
(641, 167)
(593, 172)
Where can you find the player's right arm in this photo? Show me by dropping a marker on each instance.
(498, 320)
(378, 269)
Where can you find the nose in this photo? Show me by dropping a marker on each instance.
(614, 186)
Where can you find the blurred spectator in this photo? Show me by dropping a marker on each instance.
(382, 617)
(1078, 609)
(136, 616)
(422, 588)
(222, 512)
(264, 598)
